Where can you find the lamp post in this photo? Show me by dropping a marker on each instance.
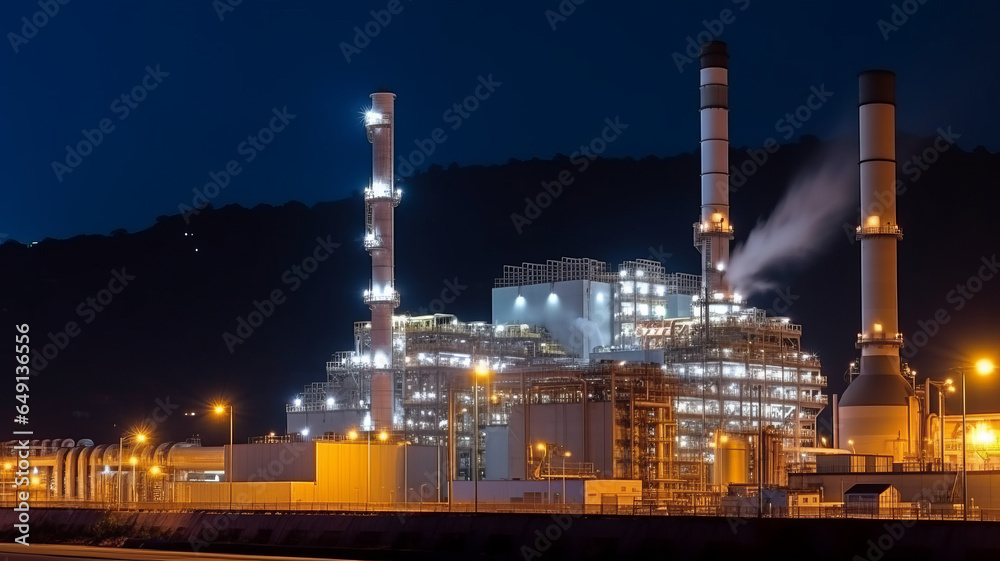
(544, 447)
(6, 467)
(220, 409)
(482, 369)
(133, 438)
(984, 367)
(850, 443)
(382, 437)
(564, 456)
(133, 460)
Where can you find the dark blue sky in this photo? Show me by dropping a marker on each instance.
(607, 59)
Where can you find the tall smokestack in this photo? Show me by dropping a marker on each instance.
(713, 232)
(381, 197)
(873, 410)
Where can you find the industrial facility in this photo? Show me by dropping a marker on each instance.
(591, 383)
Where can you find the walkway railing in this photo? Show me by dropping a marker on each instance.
(647, 508)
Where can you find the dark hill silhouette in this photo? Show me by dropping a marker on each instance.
(160, 341)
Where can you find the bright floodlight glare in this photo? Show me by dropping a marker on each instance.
(553, 298)
(984, 366)
(383, 436)
(220, 409)
(329, 402)
(372, 117)
(298, 402)
(482, 368)
(541, 446)
(305, 431)
(353, 435)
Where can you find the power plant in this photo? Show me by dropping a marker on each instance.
(592, 383)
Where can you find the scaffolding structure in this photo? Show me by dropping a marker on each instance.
(641, 421)
(740, 372)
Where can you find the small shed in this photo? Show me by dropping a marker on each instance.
(870, 498)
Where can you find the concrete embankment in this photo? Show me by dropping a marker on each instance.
(516, 536)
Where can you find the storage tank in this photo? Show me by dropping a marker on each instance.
(732, 460)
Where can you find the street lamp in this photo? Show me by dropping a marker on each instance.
(850, 443)
(7, 466)
(983, 367)
(220, 409)
(544, 448)
(941, 386)
(133, 460)
(482, 369)
(564, 456)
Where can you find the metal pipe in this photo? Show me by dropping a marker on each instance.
(475, 444)
(941, 414)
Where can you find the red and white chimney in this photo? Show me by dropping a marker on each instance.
(381, 198)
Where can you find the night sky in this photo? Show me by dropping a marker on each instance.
(215, 73)
(117, 112)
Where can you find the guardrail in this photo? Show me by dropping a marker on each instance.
(639, 508)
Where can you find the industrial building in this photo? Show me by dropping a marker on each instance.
(590, 378)
(633, 372)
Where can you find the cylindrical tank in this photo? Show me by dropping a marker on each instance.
(732, 461)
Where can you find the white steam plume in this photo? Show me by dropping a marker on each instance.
(810, 212)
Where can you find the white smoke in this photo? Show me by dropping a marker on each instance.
(811, 212)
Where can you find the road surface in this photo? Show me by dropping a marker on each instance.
(43, 552)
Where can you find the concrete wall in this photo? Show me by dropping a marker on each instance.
(518, 491)
(563, 424)
(497, 451)
(623, 491)
(328, 472)
(579, 316)
(678, 306)
(339, 421)
(285, 461)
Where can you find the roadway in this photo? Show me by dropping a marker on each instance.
(45, 552)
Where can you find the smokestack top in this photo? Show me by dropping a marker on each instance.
(877, 86)
(714, 54)
(382, 93)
